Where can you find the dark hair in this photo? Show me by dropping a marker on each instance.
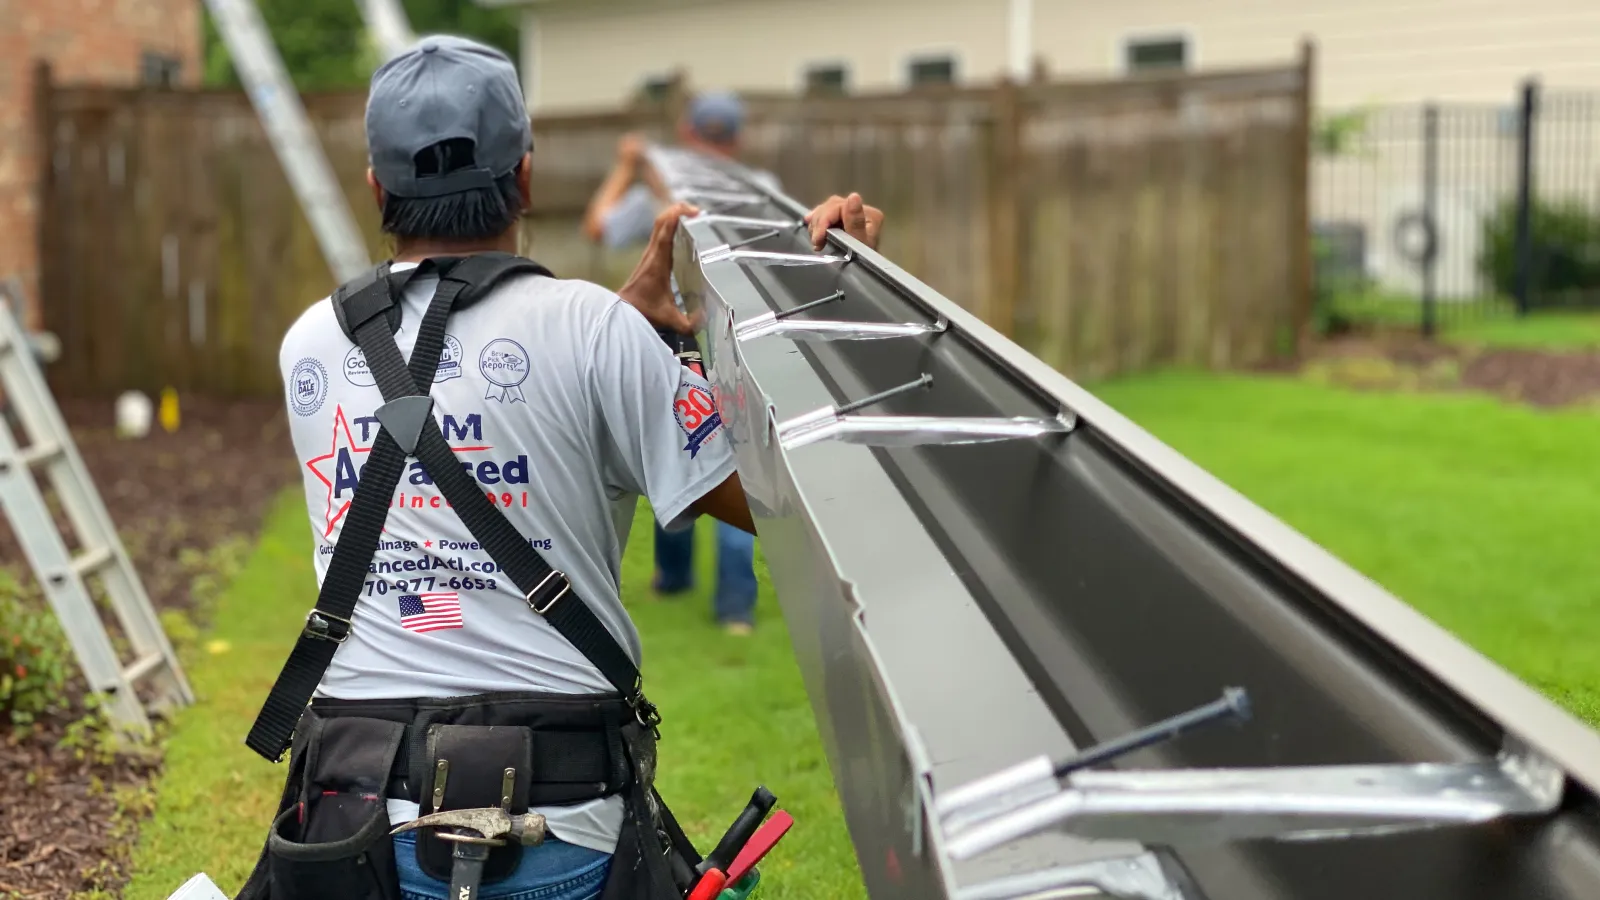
(473, 215)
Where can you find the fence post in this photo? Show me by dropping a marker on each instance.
(1005, 211)
(676, 101)
(1302, 271)
(1523, 277)
(1430, 216)
(32, 313)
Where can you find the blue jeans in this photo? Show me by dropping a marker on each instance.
(551, 871)
(735, 598)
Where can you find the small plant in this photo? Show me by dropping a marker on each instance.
(35, 660)
(92, 738)
(1338, 134)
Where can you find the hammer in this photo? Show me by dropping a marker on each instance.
(474, 832)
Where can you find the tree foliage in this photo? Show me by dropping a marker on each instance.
(325, 46)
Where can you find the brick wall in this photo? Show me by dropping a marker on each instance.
(85, 41)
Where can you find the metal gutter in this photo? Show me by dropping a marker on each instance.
(990, 602)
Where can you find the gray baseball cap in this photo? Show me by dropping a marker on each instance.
(445, 88)
(716, 115)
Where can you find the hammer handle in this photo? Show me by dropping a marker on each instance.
(466, 870)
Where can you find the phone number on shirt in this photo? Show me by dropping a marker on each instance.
(427, 583)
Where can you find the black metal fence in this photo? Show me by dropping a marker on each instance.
(1441, 213)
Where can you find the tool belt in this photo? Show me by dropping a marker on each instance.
(330, 838)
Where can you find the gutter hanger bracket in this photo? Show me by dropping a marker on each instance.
(770, 257)
(831, 330)
(1289, 803)
(1129, 878)
(911, 431)
(743, 221)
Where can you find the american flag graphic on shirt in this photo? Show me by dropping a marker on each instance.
(423, 613)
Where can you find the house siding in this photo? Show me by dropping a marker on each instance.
(594, 58)
(1370, 51)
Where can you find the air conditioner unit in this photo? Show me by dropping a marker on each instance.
(1399, 233)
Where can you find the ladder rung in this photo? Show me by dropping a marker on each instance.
(42, 451)
(92, 560)
(142, 667)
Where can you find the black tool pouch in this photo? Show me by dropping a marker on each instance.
(333, 842)
(654, 860)
(472, 767)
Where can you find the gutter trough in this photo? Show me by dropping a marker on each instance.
(986, 570)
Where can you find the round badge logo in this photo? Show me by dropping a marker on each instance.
(449, 360)
(504, 364)
(355, 368)
(308, 386)
(696, 412)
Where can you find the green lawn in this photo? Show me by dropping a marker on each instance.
(736, 715)
(1481, 514)
(1536, 331)
(1486, 323)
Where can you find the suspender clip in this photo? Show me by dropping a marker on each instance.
(545, 587)
(325, 626)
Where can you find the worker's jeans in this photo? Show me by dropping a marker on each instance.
(735, 598)
(551, 871)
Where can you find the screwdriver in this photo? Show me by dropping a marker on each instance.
(761, 843)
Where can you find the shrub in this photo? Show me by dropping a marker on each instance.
(1566, 250)
(35, 660)
(1332, 280)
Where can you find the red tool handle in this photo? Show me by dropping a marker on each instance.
(765, 838)
(709, 885)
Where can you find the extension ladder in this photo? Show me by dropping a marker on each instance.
(289, 131)
(65, 572)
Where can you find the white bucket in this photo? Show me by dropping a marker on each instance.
(134, 414)
(199, 887)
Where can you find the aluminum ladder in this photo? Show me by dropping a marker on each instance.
(289, 132)
(282, 115)
(63, 571)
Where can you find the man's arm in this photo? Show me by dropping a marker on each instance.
(630, 155)
(727, 503)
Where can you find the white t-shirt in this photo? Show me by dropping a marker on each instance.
(566, 406)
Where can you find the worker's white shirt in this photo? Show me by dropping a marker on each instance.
(567, 406)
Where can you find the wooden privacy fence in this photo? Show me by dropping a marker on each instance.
(1107, 226)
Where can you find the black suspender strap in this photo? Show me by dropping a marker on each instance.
(547, 591)
(407, 428)
(328, 624)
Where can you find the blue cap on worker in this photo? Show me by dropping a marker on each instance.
(445, 88)
(716, 116)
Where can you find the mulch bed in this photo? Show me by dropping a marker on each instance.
(1535, 377)
(1538, 378)
(208, 482)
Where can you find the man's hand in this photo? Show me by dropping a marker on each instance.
(649, 288)
(859, 220)
(630, 149)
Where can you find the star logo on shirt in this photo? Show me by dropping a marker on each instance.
(337, 470)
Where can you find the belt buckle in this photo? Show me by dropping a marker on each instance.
(546, 607)
(325, 626)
